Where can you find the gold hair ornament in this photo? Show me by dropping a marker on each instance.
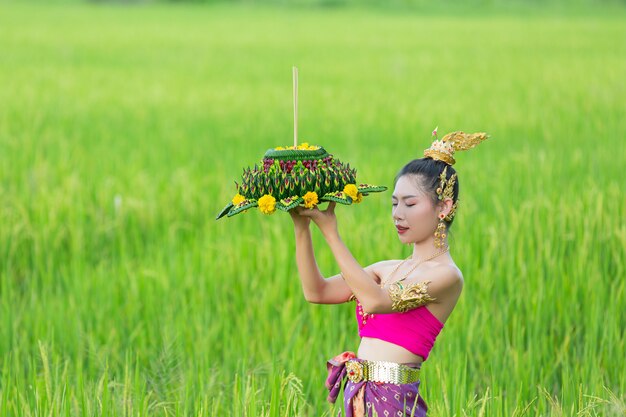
(443, 150)
(446, 190)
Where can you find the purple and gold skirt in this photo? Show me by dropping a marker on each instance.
(369, 398)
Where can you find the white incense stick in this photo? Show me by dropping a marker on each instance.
(295, 107)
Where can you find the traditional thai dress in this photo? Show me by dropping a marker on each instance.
(414, 330)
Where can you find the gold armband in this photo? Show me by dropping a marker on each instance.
(404, 298)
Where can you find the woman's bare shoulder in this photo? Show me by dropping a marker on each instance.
(451, 270)
(377, 269)
(383, 264)
(443, 277)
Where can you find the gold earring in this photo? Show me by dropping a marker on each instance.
(440, 233)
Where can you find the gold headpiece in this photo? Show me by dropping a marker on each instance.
(443, 150)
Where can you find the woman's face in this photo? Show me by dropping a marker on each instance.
(413, 212)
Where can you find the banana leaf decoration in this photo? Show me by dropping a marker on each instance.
(288, 177)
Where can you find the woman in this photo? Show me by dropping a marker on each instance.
(401, 305)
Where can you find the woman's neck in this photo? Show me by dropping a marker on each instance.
(426, 249)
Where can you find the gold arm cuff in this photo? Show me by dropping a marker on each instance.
(409, 297)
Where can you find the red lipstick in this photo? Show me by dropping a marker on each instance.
(401, 229)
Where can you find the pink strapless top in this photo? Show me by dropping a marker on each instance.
(415, 330)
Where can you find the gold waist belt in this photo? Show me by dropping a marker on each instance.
(379, 371)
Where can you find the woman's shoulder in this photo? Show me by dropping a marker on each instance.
(381, 268)
(383, 264)
(444, 277)
(450, 266)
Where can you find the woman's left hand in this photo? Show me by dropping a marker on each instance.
(325, 220)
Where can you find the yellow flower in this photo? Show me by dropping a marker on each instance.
(238, 199)
(267, 204)
(310, 199)
(308, 147)
(351, 191)
(303, 146)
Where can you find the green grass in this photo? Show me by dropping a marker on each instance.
(122, 130)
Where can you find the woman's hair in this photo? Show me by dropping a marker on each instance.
(427, 171)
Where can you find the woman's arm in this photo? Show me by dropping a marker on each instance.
(356, 279)
(315, 288)
(442, 281)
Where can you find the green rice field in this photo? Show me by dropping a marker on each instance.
(122, 131)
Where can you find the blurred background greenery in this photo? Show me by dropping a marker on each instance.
(123, 127)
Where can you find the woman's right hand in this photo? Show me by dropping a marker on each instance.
(299, 221)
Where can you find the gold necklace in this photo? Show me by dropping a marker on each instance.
(383, 283)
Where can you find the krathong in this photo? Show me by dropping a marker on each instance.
(302, 174)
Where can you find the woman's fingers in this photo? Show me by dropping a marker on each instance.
(313, 212)
(299, 210)
(296, 211)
